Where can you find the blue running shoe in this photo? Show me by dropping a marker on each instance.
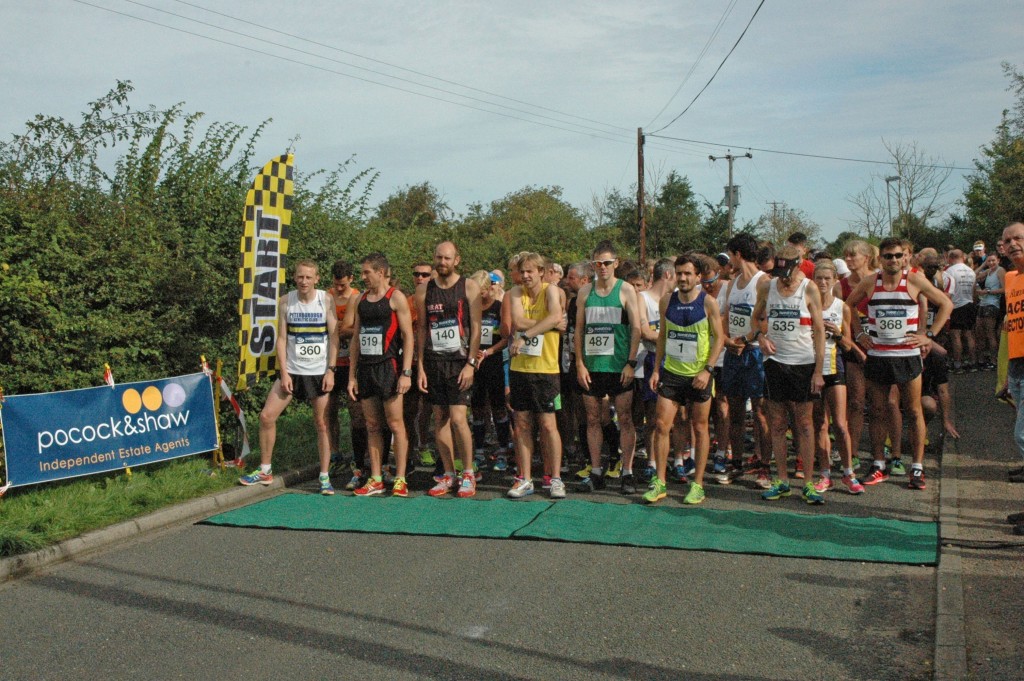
(778, 490)
(679, 473)
(689, 466)
(718, 470)
(500, 464)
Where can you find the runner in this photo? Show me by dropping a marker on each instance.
(893, 343)
(743, 368)
(536, 310)
(716, 283)
(862, 260)
(689, 342)
(794, 348)
(607, 338)
(306, 355)
(573, 418)
(382, 328)
(832, 407)
(414, 403)
(489, 382)
(663, 281)
(448, 341)
(343, 291)
(965, 312)
(990, 281)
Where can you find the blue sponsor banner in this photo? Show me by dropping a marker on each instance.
(53, 436)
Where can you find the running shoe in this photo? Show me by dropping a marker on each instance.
(439, 472)
(467, 487)
(557, 490)
(627, 484)
(824, 484)
(615, 470)
(583, 472)
(798, 472)
(916, 479)
(689, 466)
(443, 486)
(521, 488)
(546, 484)
(852, 485)
(876, 476)
(678, 473)
(896, 467)
(371, 488)
(834, 456)
(591, 483)
(427, 458)
(355, 481)
(257, 477)
(655, 492)
(811, 495)
(719, 471)
(339, 465)
(479, 459)
(764, 480)
(855, 462)
(501, 463)
(458, 466)
(695, 495)
(778, 490)
(325, 486)
(401, 488)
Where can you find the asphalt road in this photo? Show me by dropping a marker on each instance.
(200, 601)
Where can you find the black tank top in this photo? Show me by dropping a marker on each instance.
(379, 336)
(447, 321)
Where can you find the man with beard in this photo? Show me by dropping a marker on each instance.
(448, 340)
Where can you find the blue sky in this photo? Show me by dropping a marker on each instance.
(822, 78)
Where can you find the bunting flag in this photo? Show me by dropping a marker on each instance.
(108, 375)
(237, 408)
(268, 216)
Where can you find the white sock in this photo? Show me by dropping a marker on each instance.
(265, 468)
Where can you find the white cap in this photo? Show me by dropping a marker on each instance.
(841, 269)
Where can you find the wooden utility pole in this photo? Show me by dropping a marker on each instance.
(732, 198)
(641, 220)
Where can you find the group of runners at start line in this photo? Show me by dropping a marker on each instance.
(707, 339)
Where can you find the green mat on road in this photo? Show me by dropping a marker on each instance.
(497, 519)
(776, 533)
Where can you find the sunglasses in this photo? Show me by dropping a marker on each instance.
(421, 274)
(891, 256)
(603, 263)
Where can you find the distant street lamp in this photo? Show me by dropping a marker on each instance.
(888, 201)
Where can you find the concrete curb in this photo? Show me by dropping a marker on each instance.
(188, 511)
(950, 631)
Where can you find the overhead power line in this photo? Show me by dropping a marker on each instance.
(700, 57)
(598, 135)
(759, 6)
(278, 31)
(361, 68)
(804, 155)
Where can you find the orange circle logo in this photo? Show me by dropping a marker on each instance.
(151, 398)
(132, 401)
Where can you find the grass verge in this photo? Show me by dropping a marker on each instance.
(35, 517)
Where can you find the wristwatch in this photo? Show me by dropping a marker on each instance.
(710, 368)
(928, 334)
(407, 373)
(472, 362)
(631, 363)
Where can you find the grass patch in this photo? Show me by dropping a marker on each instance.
(35, 517)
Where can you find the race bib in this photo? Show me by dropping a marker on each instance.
(784, 324)
(533, 346)
(343, 347)
(446, 335)
(931, 317)
(371, 340)
(681, 346)
(310, 348)
(739, 319)
(891, 323)
(599, 341)
(488, 330)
